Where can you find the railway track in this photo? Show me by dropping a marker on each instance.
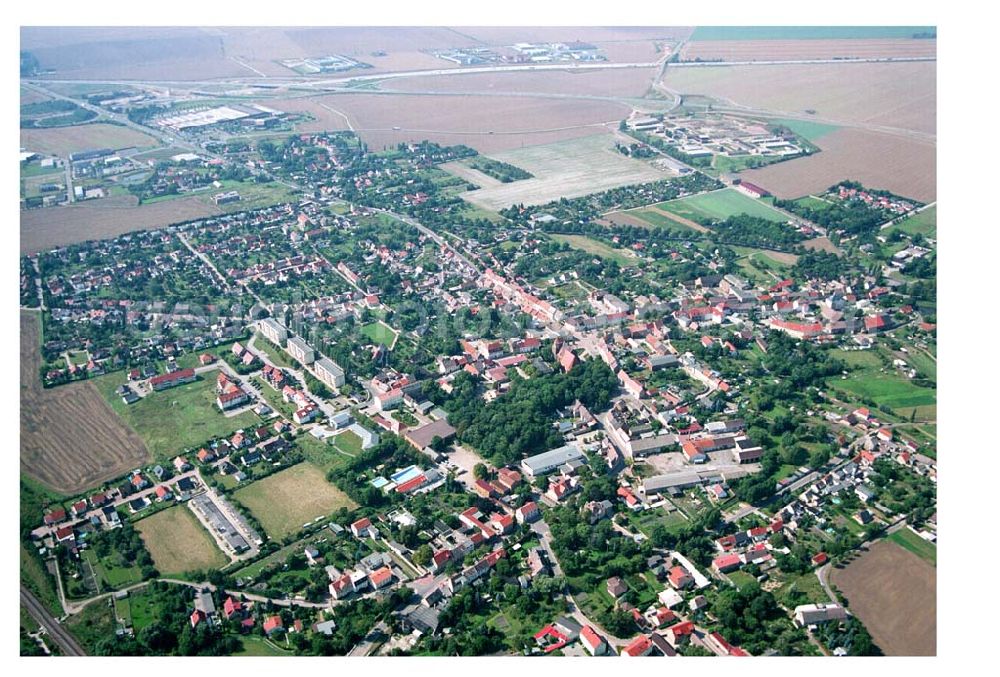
(57, 632)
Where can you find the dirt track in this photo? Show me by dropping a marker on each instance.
(894, 593)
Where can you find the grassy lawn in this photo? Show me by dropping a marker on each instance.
(276, 355)
(349, 442)
(111, 575)
(813, 203)
(915, 544)
(172, 420)
(258, 646)
(719, 205)
(593, 246)
(379, 332)
(924, 223)
(888, 390)
(742, 579)
(807, 584)
(322, 453)
(142, 609)
(178, 542)
(286, 500)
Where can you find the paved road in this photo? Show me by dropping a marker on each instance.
(57, 632)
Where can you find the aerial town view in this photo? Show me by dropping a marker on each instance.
(478, 341)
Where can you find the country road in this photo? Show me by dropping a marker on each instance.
(57, 632)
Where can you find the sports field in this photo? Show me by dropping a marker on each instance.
(286, 500)
(178, 543)
(720, 205)
(380, 332)
(172, 420)
(621, 256)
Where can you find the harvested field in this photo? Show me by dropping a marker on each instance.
(616, 82)
(136, 53)
(50, 227)
(565, 169)
(31, 96)
(894, 593)
(623, 257)
(178, 543)
(70, 438)
(65, 140)
(778, 50)
(489, 124)
(906, 167)
(822, 244)
(899, 95)
(464, 171)
(596, 35)
(623, 219)
(283, 502)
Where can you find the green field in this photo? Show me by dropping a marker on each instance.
(719, 205)
(179, 418)
(276, 355)
(653, 217)
(593, 246)
(380, 333)
(807, 584)
(813, 203)
(110, 575)
(286, 500)
(807, 129)
(889, 390)
(742, 579)
(924, 223)
(915, 544)
(807, 32)
(178, 543)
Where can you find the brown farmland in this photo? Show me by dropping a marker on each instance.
(900, 95)
(596, 35)
(70, 438)
(50, 227)
(904, 166)
(778, 50)
(66, 140)
(615, 82)
(488, 124)
(894, 593)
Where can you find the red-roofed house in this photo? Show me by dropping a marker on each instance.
(197, 616)
(640, 646)
(273, 625)
(680, 633)
(361, 528)
(528, 512)
(56, 516)
(232, 608)
(380, 577)
(726, 563)
(593, 642)
(680, 578)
